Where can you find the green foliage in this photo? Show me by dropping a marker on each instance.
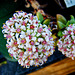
(39, 16)
(46, 22)
(4, 62)
(60, 25)
(3, 49)
(5, 53)
(61, 18)
(71, 21)
(61, 21)
(60, 33)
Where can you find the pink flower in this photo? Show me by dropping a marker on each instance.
(29, 49)
(50, 38)
(27, 64)
(36, 22)
(21, 53)
(14, 17)
(29, 36)
(59, 42)
(23, 41)
(23, 23)
(36, 50)
(18, 30)
(32, 42)
(4, 26)
(65, 36)
(31, 26)
(8, 36)
(70, 26)
(74, 31)
(40, 30)
(44, 50)
(67, 42)
(65, 49)
(37, 60)
(72, 42)
(49, 29)
(44, 42)
(31, 18)
(15, 43)
(11, 55)
(69, 32)
(9, 46)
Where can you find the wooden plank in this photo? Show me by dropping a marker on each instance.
(62, 67)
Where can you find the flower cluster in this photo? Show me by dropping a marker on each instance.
(28, 40)
(66, 44)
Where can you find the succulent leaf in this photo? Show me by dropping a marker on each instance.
(60, 25)
(60, 33)
(46, 22)
(39, 16)
(61, 18)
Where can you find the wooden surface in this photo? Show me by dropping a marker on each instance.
(63, 67)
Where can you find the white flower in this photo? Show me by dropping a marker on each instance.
(36, 43)
(44, 34)
(22, 36)
(66, 44)
(35, 55)
(23, 27)
(17, 25)
(33, 48)
(40, 46)
(40, 39)
(25, 41)
(34, 38)
(28, 32)
(38, 34)
(26, 61)
(31, 62)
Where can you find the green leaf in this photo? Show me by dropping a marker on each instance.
(67, 24)
(5, 53)
(72, 21)
(3, 49)
(60, 25)
(61, 18)
(4, 62)
(60, 33)
(46, 22)
(72, 17)
(39, 16)
(10, 59)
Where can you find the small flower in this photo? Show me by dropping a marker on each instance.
(44, 42)
(40, 30)
(32, 42)
(15, 43)
(18, 30)
(23, 41)
(31, 26)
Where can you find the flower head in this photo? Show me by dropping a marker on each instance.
(66, 44)
(28, 40)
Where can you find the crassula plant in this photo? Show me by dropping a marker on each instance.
(66, 44)
(66, 32)
(28, 41)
